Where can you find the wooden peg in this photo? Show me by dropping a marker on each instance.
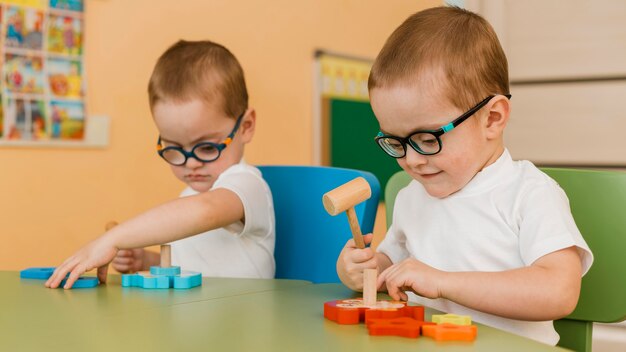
(166, 256)
(369, 287)
(345, 198)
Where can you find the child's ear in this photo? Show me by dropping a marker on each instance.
(248, 124)
(498, 116)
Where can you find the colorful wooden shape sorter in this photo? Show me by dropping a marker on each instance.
(158, 277)
(45, 273)
(404, 327)
(450, 332)
(353, 311)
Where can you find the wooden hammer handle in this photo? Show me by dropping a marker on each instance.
(355, 228)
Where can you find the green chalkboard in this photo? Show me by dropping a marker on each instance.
(352, 128)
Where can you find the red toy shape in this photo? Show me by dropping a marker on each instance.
(404, 327)
(415, 312)
(450, 332)
(353, 311)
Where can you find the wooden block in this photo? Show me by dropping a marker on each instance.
(344, 311)
(369, 287)
(354, 311)
(156, 279)
(83, 282)
(144, 279)
(37, 273)
(187, 279)
(452, 319)
(166, 256)
(414, 312)
(450, 332)
(404, 327)
(44, 273)
(159, 271)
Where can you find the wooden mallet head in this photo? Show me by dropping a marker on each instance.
(345, 198)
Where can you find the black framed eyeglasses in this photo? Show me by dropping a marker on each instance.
(204, 152)
(425, 142)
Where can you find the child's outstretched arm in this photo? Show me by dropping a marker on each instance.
(546, 290)
(352, 261)
(171, 221)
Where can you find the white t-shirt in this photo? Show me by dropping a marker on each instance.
(509, 215)
(237, 250)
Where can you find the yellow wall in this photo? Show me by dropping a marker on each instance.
(54, 200)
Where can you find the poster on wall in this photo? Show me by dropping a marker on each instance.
(42, 95)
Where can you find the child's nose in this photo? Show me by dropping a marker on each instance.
(414, 158)
(193, 163)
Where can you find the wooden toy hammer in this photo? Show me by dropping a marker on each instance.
(346, 197)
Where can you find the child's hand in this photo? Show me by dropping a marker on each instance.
(96, 254)
(412, 275)
(129, 260)
(352, 261)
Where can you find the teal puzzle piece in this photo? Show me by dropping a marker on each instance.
(37, 273)
(83, 282)
(160, 278)
(159, 271)
(45, 273)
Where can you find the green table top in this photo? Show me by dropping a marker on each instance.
(221, 315)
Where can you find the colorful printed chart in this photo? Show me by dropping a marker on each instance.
(41, 52)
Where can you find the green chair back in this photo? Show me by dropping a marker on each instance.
(598, 204)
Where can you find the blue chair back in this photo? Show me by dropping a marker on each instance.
(308, 239)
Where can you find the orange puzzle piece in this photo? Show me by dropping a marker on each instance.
(415, 312)
(404, 327)
(353, 311)
(450, 332)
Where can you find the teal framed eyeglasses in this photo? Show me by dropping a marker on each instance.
(205, 152)
(425, 142)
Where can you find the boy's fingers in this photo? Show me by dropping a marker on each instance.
(102, 273)
(122, 269)
(74, 275)
(123, 261)
(396, 289)
(362, 255)
(403, 296)
(392, 290)
(368, 238)
(52, 277)
(124, 253)
(382, 277)
(58, 275)
(350, 244)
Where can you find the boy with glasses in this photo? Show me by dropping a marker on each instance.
(475, 233)
(223, 224)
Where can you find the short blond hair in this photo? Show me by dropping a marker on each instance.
(203, 70)
(457, 43)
